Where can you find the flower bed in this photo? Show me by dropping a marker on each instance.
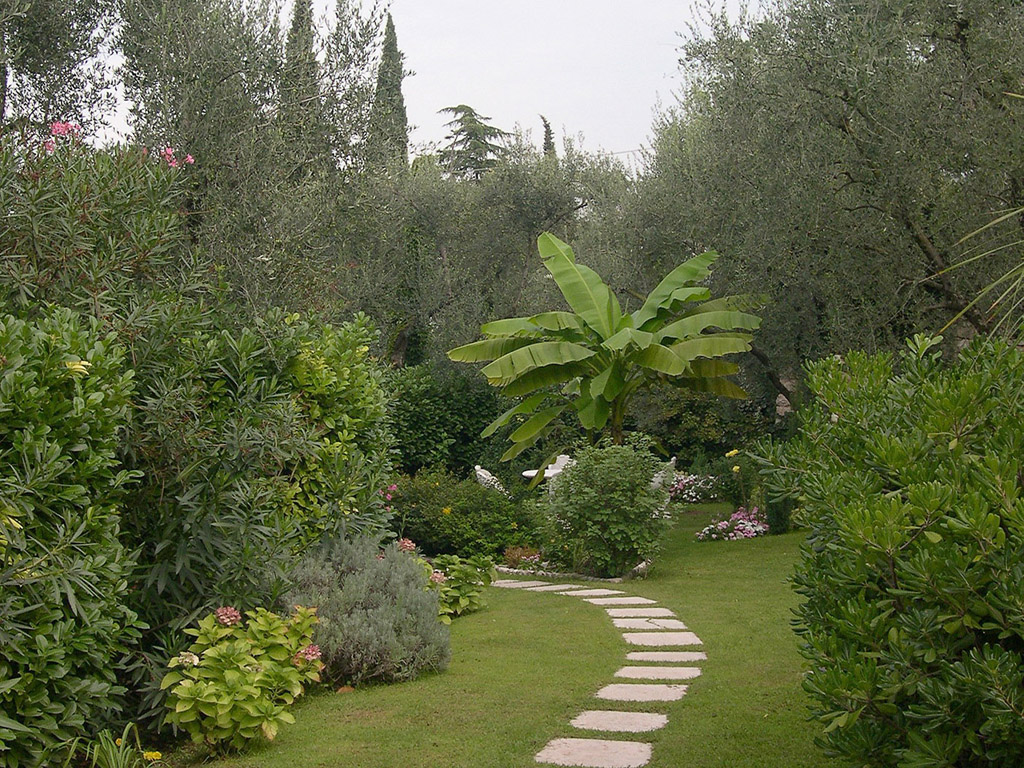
(741, 524)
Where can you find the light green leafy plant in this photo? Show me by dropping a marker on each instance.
(460, 584)
(237, 680)
(600, 355)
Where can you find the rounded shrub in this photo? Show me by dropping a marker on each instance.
(64, 625)
(603, 512)
(378, 614)
(909, 477)
(460, 517)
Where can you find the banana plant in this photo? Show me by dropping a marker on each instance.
(594, 358)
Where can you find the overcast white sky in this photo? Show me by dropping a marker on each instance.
(592, 67)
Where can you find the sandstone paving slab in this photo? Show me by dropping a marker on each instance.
(554, 587)
(661, 638)
(620, 601)
(594, 592)
(648, 624)
(624, 722)
(638, 613)
(516, 584)
(659, 673)
(641, 692)
(595, 753)
(670, 656)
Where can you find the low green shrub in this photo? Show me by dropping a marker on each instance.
(909, 477)
(603, 512)
(64, 623)
(448, 516)
(238, 679)
(460, 584)
(378, 616)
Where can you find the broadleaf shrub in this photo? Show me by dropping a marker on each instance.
(909, 478)
(460, 583)
(603, 513)
(64, 622)
(460, 517)
(238, 679)
(378, 616)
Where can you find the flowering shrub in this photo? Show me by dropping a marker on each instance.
(741, 524)
(522, 557)
(692, 489)
(237, 680)
(461, 586)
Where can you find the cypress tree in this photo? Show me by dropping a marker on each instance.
(388, 138)
(300, 105)
(549, 138)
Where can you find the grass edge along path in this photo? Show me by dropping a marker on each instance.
(528, 663)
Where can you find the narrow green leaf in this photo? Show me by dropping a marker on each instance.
(536, 423)
(663, 295)
(487, 349)
(581, 286)
(527, 406)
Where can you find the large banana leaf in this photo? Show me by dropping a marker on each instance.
(557, 321)
(609, 383)
(508, 368)
(581, 286)
(628, 336)
(512, 326)
(703, 367)
(522, 445)
(547, 376)
(714, 345)
(660, 358)
(716, 386)
(527, 406)
(536, 423)
(592, 411)
(487, 349)
(695, 324)
(740, 303)
(682, 276)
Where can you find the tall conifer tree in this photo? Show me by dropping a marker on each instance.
(388, 139)
(300, 105)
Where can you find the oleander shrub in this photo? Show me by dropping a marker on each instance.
(378, 616)
(444, 515)
(239, 678)
(604, 516)
(908, 472)
(64, 622)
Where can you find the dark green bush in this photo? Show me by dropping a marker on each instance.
(909, 476)
(459, 517)
(378, 616)
(603, 513)
(64, 624)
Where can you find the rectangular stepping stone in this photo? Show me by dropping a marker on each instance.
(595, 753)
(641, 692)
(661, 638)
(648, 624)
(516, 584)
(659, 673)
(594, 592)
(620, 601)
(553, 587)
(634, 613)
(673, 656)
(626, 722)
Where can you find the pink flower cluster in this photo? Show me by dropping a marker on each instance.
(172, 161)
(386, 492)
(308, 654)
(692, 489)
(59, 130)
(406, 545)
(438, 578)
(228, 616)
(741, 524)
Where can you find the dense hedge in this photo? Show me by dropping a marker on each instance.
(909, 475)
(64, 624)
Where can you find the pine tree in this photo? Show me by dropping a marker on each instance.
(473, 146)
(549, 138)
(388, 138)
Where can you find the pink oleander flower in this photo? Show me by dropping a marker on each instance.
(189, 159)
(50, 146)
(392, 487)
(228, 616)
(438, 578)
(64, 129)
(406, 545)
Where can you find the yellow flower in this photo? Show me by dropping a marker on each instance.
(446, 511)
(117, 742)
(78, 366)
(733, 452)
(152, 755)
(735, 467)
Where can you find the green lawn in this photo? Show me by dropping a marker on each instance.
(529, 662)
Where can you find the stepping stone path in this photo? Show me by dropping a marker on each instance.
(655, 627)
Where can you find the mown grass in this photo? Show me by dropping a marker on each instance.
(527, 664)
